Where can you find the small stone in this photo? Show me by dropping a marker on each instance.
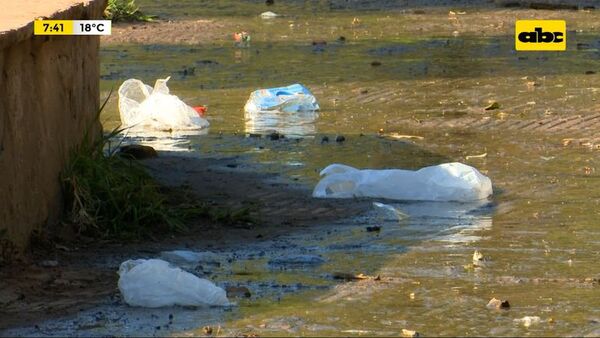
(340, 138)
(409, 333)
(375, 64)
(498, 304)
(342, 39)
(324, 139)
(269, 2)
(49, 263)
(589, 72)
(375, 228)
(238, 292)
(275, 136)
(492, 106)
(137, 151)
(207, 330)
(62, 282)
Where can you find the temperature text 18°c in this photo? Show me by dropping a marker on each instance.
(92, 27)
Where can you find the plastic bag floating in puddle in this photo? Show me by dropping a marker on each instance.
(290, 99)
(290, 110)
(445, 182)
(154, 283)
(143, 108)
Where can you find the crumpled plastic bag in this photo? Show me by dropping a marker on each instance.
(154, 283)
(290, 99)
(445, 182)
(143, 108)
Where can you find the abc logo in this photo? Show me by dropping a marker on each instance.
(540, 35)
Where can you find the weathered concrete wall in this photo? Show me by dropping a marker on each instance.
(49, 95)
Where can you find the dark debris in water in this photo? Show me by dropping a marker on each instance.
(238, 292)
(206, 63)
(292, 261)
(495, 303)
(351, 276)
(276, 136)
(375, 228)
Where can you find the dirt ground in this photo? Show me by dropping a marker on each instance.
(58, 279)
(480, 21)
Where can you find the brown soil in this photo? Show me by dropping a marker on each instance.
(86, 274)
(167, 32)
(422, 22)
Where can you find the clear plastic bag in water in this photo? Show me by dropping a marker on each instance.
(445, 182)
(143, 108)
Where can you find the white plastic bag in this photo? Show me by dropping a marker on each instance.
(445, 182)
(144, 108)
(154, 283)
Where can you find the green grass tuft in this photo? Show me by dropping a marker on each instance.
(109, 195)
(125, 10)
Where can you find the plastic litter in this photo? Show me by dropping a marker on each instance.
(268, 15)
(144, 108)
(445, 182)
(290, 99)
(154, 283)
(242, 39)
(527, 321)
(201, 110)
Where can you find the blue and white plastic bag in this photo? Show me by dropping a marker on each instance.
(293, 98)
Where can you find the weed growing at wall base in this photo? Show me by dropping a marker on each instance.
(125, 10)
(107, 194)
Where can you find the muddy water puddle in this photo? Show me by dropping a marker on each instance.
(539, 234)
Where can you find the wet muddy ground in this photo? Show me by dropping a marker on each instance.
(407, 88)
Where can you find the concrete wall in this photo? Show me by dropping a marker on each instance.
(49, 95)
